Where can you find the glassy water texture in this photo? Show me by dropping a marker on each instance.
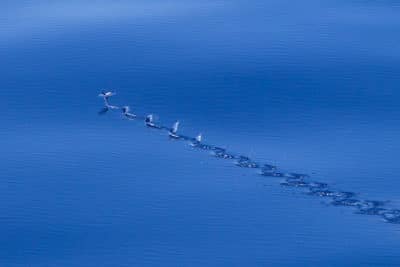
(309, 87)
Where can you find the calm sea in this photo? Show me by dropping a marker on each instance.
(309, 86)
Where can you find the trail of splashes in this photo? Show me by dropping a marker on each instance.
(288, 179)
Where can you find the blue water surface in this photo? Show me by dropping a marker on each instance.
(308, 86)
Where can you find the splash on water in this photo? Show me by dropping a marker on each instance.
(304, 182)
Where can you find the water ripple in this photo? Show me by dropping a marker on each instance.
(289, 179)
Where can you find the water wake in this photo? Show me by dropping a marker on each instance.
(289, 179)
